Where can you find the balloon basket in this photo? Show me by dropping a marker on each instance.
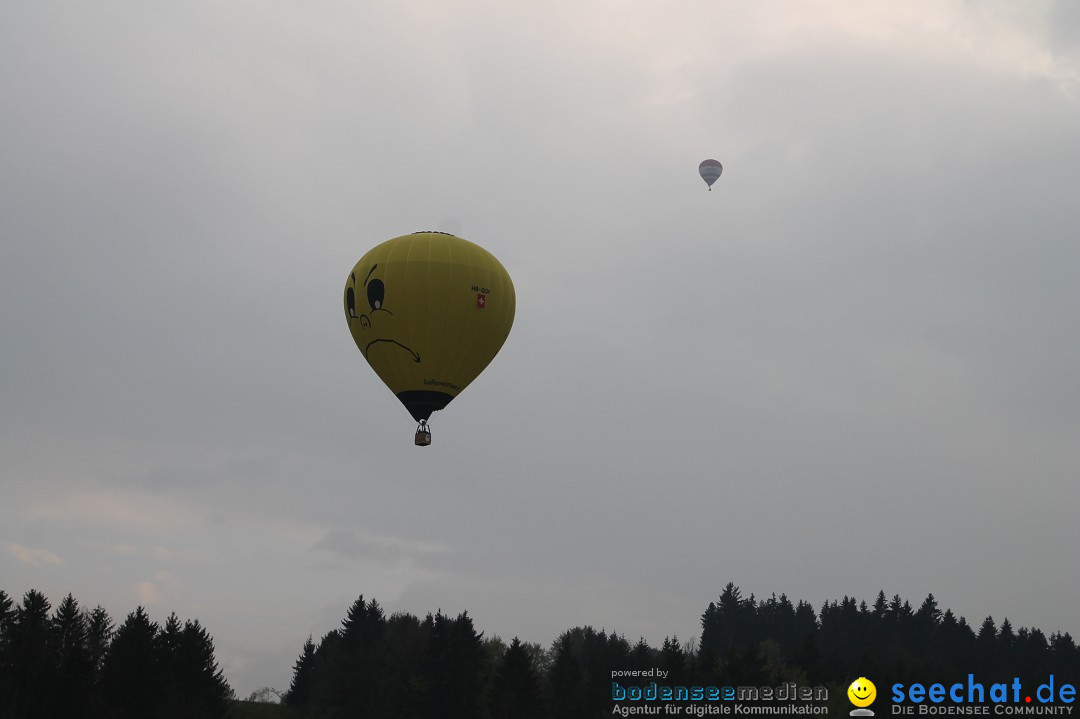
(423, 435)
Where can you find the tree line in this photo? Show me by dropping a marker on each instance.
(74, 662)
(376, 665)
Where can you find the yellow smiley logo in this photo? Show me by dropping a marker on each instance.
(862, 692)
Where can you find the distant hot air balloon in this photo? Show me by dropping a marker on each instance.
(710, 171)
(428, 311)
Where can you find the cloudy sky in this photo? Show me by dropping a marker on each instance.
(850, 367)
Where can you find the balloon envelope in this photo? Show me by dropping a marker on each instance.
(710, 171)
(428, 311)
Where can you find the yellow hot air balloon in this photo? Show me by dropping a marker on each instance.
(428, 311)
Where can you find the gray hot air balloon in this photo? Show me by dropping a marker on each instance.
(710, 171)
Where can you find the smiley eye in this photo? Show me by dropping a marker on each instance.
(350, 302)
(375, 294)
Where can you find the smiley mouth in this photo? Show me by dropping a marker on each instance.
(415, 355)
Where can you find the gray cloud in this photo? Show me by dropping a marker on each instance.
(848, 368)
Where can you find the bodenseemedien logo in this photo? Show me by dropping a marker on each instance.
(862, 694)
(675, 699)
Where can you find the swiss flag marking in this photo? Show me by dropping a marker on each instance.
(481, 300)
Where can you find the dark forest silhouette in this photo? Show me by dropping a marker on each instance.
(401, 666)
(76, 663)
(73, 662)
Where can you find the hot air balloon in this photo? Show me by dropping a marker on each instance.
(428, 311)
(710, 171)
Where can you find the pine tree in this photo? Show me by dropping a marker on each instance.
(201, 688)
(928, 614)
(1031, 652)
(564, 679)
(906, 615)
(950, 639)
(363, 624)
(32, 670)
(641, 656)
(986, 645)
(453, 668)
(323, 674)
(1064, 652)
(166, 654)
(131, 677)
(7, 620)
(728, 622)
(405, 646)
(924, 638)
(1006, 638)
(7, 628)
(515, 688)
(892, 611)
(358, 687)
(596, 654)
(99, 633)
(299, 693)
(672, 659)
(880, 606)
(75, 671)
(806, 621)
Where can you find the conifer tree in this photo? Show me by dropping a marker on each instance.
(166, 654)
(986, 645)
(299, 692)
(1006, 638)
(99, 632)
(565, 679)
(728, 622)
(928, 614)
(357, 688)
(7, 619)
(906, 615)
(200, 684)
(405, 643)
(806, 621)
(641, 656)
(453, 668)
(323, 674)
(1032, 652)
(7, 626)
(131, 677)
(892, 612)
(950, 639)
(32, 673)
(672, 659)
(515, 687)
(75, 673)
(783, 626)
(363, 624)
(880, 607)
(1063, 652)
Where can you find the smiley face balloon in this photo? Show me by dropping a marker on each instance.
(428, 311)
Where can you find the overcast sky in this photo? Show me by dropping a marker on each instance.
(852, 366)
